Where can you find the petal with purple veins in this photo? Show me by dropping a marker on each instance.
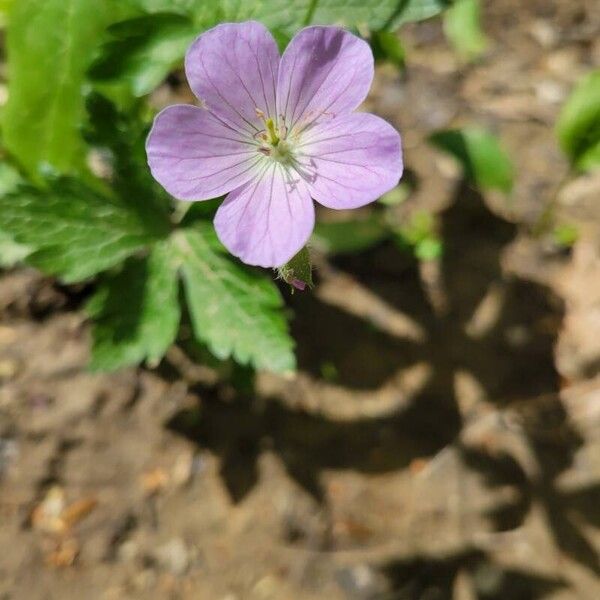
(266, 222)
(324, 72)
(194, 156)
(233, 69)
(350, 161)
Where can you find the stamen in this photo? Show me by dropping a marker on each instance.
(283, 130)
(271, 128)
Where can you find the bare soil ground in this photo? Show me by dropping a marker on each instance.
(442, 439)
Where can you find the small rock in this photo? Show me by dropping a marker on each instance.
(360, 582)
(8, 369)
(173, 556)
(154, 481)
(183, 469)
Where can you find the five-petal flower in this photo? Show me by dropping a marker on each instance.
(274, 133)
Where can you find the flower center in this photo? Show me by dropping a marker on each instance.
(273, 140)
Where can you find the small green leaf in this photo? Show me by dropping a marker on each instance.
(463, 28)
(136, 312)
(346, 237)
(50, 45)
(429, 249)
(397, 195)
(143, 50)
(75, 232)
(484, 162)
(420, 236)
(565, 235)
(387, 46)
(297, 272)
(234, 311)
(578, 127)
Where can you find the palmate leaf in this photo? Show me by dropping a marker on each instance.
(50, 45)
(76, 232)
(234, 311)
(136, 311)
(143, 49)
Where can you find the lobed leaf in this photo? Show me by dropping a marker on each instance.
(136, 311)
(233, 310)
(75, 232)
(143, 49)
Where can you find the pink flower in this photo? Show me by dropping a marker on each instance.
(276, 133)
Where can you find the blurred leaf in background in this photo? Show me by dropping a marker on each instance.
(578, 127)
(347, 237)
(387, 46)
(462, 25)
(420, 235)
(50, 44)
(484, 162)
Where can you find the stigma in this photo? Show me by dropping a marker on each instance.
(273, 140)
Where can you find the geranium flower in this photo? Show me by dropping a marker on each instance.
(274, 133)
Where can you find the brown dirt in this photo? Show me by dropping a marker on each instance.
(442, 439)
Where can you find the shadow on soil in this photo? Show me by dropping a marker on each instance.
(511, 358)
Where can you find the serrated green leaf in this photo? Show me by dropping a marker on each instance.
(344, 237)
(462, 25)
(136, 311)
(74, 231)
(143, 50)
(233, 310)
(123, 136)
(11, 252)
(578, 127)
(484, 162)
(375, 14)
(50, 45)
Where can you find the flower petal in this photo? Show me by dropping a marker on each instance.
(233, 69)
(350, 161)
(194, 156)
(323, 71)
(267, 221)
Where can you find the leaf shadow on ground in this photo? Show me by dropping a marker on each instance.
(510, 356)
